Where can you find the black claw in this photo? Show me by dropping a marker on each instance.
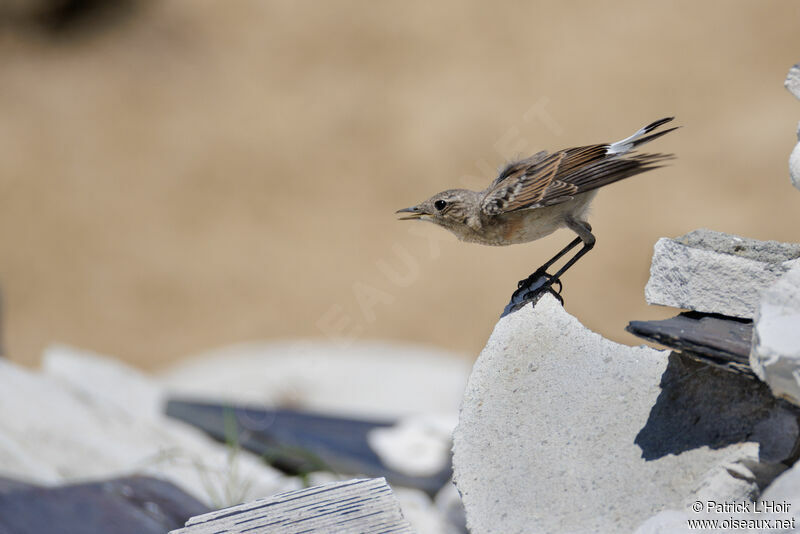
(560, 288)
(556, 295)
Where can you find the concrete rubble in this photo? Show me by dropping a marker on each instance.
(559, 428)
(714, 272)
(773, 505)
(88, 417)
(562, 430)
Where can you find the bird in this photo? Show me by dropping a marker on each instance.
(533, 197)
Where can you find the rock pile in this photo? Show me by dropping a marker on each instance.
(85, 417)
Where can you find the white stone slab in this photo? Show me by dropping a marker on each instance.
(715, 272)
(353, 507)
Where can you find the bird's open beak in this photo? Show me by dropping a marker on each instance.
(415, 212)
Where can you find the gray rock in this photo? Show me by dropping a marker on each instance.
(775, 356)
(570, 432)
(794, 165)
(792, 82)
(715, 272)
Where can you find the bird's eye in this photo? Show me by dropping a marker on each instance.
(439, 205)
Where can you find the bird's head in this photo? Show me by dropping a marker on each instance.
(454, 209)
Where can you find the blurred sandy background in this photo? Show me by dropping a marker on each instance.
(191, 173)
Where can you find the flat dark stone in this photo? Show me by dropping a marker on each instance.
(134, 505)
(715, 339)
(7, 485)
(301, 442)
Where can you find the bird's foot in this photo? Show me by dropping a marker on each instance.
(531, 290)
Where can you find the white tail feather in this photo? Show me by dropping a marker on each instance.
(627, 144)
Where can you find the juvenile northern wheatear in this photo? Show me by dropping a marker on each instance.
(534, 197)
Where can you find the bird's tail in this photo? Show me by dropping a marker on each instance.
(640, 137)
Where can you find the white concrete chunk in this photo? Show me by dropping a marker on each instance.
(715, 272)
(794, 165)
(417, 445)
(562, 430)
(792, 82)
(775, 356)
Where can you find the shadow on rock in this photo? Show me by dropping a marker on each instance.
(702, 406)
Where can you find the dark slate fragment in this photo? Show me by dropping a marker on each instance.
(7, 485)
(301, 442)
(715, 339)
(134, 505)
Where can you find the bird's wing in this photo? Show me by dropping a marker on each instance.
(538, 180)
(560, 176)
(519, 166)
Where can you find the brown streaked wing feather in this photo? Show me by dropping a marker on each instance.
(602, 172)
(563, 175)
(526, 185)
(581, 156)
(613, 169)
(519, 166)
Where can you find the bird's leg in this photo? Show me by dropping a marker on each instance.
(584, 231)
(543, 269)
(540, 282)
